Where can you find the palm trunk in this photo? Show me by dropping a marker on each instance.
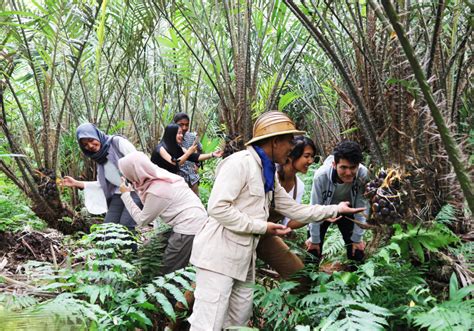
(450, 145)
(362, 113)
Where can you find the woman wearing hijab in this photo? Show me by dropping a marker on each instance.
(103, 195)
(165, 195)
(170, 155)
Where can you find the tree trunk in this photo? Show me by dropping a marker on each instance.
(450, 145)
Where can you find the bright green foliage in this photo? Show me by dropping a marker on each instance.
(209, 145)
(334, 302)
(386, 292)
(15, 214)
(26, 313)
(16, 302)
(455, 314)
(419, 239)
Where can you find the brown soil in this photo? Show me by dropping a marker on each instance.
(18, 248)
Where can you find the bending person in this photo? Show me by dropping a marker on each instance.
(165, 195)
(224, 249)
(103, 195)
(342, 177)
(169, 154)
(272, 249)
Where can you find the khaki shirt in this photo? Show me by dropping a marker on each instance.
(175, 204)
(238, 210)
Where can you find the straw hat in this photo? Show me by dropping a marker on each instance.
(272, 124)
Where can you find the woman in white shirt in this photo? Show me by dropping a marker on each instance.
(272, 249)
(103, 195)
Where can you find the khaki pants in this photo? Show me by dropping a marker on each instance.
(273, 251)
(221, 301)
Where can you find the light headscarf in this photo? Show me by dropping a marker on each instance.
(144, 174)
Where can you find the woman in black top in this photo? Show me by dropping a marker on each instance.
(170, 155)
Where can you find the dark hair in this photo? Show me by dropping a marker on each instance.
(348, 150)
(300, 143)
(168, 141)
(180, 116)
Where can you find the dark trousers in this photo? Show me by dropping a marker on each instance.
(346, 227)
(117, 212)
(177, 252)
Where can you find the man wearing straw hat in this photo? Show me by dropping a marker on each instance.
(244, 190)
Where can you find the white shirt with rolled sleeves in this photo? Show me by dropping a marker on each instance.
(238, 210)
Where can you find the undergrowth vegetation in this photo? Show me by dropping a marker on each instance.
(15, 214)
(392, 289)
(102, 287)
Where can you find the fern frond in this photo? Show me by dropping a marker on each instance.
(14, 302)
(68, 308)
(164, 304)
(333, 244)
(419, 238)
(149, 258)
(175, 292)
(183, 282)
(359, 315)
(446, 215)
(449, 315)
(365, 287)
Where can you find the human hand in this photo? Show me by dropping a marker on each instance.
(344, 208)
(218, 153)
(312, 247)
(358, 246)
(332, 219)
(68, 181)
(124, 187)
(193, 148)
(277, 229)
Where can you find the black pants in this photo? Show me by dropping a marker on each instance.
(118, 214)
(346, 227)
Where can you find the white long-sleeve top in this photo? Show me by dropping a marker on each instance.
(94, 197)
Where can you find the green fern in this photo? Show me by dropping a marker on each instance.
(149, 259)
(102, 292)
(454, 314)
(69, 309)
(334, 245)
(164, 287)
(274, 305)
(419, 239)
(357, 315)
(13, 302)
(446, 215)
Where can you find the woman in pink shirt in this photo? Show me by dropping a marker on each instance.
(167, 196)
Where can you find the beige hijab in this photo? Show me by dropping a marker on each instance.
(144, 174)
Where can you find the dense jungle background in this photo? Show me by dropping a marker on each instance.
(393, 75)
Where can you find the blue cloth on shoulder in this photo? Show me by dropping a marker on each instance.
(269, 169)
